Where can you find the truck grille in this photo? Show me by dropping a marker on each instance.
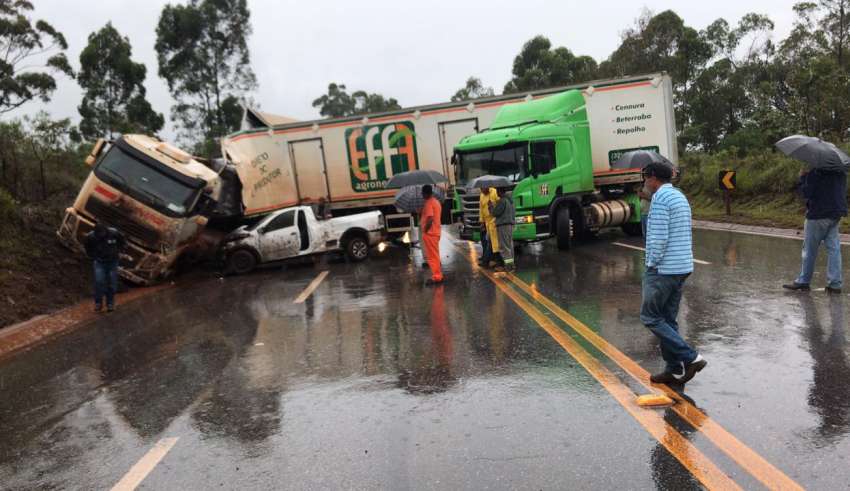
(113, 217)
(469, 200)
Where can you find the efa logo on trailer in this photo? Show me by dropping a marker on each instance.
(378, 152)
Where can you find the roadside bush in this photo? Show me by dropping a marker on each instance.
(764, 175)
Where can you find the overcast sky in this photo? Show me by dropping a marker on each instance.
(417, 52)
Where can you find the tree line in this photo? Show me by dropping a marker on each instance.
(202, 54)
(734, 85)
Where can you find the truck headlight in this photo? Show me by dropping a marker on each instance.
(525, 219)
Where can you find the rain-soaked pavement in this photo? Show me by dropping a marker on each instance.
(376, 381)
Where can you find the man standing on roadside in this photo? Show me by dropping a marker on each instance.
(104, 245)
(825, 192)
(430, 221)
(669, 262)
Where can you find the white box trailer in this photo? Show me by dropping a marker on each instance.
(346, 162)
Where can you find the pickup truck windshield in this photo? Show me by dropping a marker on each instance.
(503, 161)
(145, 183)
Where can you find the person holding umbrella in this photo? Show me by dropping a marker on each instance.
(823, 184)
(489, 237)
(504, 214)
(430, 222)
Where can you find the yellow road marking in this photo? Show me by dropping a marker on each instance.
(700, 466)
(629, 246)
(143, 467)
(311, 287)
(747, 458)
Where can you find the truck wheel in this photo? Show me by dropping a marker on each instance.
(357, 248)
(564, 228)
(241, 261)
(632, 229)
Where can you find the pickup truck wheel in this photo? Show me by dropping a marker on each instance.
(357, 249)
(564, 228)
(241, 261)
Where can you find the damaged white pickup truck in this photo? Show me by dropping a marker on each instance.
(295, 232)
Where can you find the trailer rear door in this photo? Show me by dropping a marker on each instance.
(311, 178)
(450, 134)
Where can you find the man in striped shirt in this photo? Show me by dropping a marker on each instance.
(669, 262)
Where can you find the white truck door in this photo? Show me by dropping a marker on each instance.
(450, 134)
(311, 178)
(280, 239)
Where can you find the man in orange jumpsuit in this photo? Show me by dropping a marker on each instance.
(429, 219)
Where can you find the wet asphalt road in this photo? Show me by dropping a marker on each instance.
(377, 381)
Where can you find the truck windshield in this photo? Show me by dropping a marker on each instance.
(145, 183)
(509, 162)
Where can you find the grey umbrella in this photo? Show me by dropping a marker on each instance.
(490, 182)
(640, 159)
(416, 177)
(815, 152)
(410, 200)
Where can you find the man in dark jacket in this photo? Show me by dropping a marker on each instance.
(825, 192)
(104, 245)
(504, 212)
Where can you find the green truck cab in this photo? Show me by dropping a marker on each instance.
(544, 146)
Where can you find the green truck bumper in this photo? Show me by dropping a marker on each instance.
(525, 232)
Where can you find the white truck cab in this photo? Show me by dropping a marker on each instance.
(296, 231)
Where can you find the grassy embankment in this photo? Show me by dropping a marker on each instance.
(766, 189)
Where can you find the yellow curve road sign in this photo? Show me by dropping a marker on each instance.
(726, 180)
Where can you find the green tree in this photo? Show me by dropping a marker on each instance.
(811, 60)
(31, 53)
(473, 89)
(336, 103)
(47, 138)
(538, 66)
(339, 103)
(114, 99)
(203, 55)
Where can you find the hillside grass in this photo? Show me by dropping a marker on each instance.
(766, 192)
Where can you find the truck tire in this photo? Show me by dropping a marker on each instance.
(564, 228)
(633, 229)
(241, 261)
(357, 248)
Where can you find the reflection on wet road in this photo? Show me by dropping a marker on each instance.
(375, 380)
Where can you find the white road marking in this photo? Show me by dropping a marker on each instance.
(698, 261)
(143, 467)
(312, 286)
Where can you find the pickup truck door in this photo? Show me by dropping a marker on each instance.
(279, 239)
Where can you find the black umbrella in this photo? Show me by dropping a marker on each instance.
(640, 159)
(409, 198)
(490, 182)
(815, 152)
(416, 177)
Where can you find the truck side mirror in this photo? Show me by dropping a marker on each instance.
(95, 151)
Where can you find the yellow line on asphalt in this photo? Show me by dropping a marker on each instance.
(143, 467)
(746, 457)
(312, 286)
(700, 466)
(629, 246)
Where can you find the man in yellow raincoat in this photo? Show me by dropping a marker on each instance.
(489, 235)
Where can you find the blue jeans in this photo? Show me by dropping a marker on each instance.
(643, 221)
(105, 282)
(661, 297)
(816, 231)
